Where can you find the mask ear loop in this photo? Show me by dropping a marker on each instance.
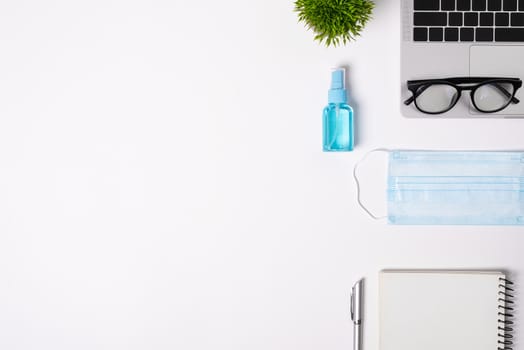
(359, 200)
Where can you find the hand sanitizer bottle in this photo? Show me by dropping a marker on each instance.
(338, 116)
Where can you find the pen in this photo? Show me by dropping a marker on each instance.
(356, 313)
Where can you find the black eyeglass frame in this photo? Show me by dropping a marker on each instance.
(417, 87)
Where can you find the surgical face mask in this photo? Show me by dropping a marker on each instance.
(453, 188)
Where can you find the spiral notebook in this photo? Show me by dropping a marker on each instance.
(445, 310)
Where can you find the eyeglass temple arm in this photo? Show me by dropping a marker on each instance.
(507, 94)
(416, 94)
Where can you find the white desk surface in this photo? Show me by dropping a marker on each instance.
(162, 184)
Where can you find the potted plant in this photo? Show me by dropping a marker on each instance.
(334, 22)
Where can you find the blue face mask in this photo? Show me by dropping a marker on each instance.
(454, 188)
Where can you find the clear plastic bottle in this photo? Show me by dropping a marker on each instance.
(338, 116)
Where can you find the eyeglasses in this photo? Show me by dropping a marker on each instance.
(488, 95)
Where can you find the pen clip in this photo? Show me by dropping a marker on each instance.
(352, 304)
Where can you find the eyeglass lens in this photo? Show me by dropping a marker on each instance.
(436, 98)
(494, 96)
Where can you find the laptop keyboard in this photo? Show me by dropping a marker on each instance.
(469, 20)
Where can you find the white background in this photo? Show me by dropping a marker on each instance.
(162, 184)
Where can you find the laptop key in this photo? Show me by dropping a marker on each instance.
(479, 5)
(467, 34)
(494, 5)
(486, 19)
(430, 19)
(517, 19)
(463, 5)
(435, 34)
(510, 5)
(521, 5)
(451, 34)
(502, 19)
(425, 5)
(455, 19)
(471, 19)
(449, 5)
(484, 34)
(509, 34)
(420, 34)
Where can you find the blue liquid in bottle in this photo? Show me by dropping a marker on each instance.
(338, 117)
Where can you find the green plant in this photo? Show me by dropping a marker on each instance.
(334, 21)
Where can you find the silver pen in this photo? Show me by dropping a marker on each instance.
(356, 313)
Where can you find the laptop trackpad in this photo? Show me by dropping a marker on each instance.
(499, 61)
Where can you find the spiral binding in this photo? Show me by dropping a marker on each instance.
(505, 327)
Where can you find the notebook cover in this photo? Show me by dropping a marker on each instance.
(437, 310)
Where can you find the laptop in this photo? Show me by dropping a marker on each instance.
(462, 38)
